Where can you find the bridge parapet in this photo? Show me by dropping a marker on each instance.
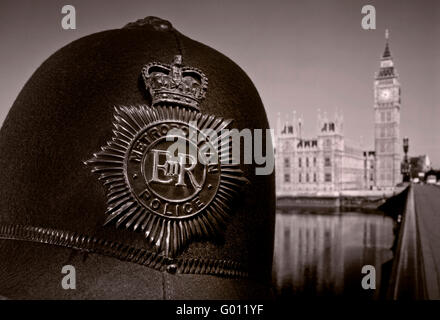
(415, 273)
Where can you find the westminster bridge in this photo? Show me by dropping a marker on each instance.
(416, 266)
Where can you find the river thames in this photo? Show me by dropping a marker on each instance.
(321, 253)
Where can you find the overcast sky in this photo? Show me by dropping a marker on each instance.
(301, 54)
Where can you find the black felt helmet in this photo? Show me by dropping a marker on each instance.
(87, 178)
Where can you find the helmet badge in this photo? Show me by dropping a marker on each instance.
(168, 169)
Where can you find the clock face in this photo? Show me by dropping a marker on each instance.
(385, 94)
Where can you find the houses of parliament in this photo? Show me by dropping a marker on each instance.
(327, 162)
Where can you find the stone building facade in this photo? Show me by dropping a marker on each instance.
(327, 163)
(387, 101)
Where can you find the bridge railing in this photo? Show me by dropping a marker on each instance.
(407, 279)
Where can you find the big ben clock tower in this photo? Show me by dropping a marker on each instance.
(387, 122)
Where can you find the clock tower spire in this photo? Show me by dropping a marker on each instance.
(387, 121)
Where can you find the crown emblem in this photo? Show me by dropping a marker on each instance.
(175, 83)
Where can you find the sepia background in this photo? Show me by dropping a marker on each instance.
(302, 55)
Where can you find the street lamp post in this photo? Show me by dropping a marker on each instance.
(405, 166)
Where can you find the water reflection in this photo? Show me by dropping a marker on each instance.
(319, 253)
